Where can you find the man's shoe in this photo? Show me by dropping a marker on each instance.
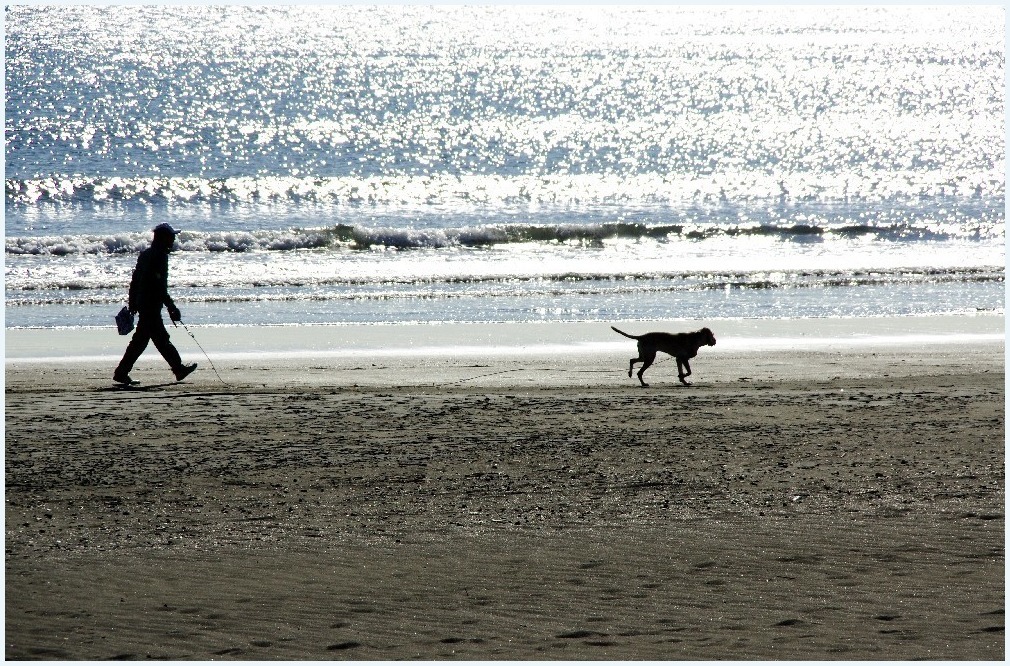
(183, 371)
(125, 380)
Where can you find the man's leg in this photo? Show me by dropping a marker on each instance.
(138, 343)
(162, 341)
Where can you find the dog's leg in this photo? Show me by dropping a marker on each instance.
(631, 366)
(682, 365)
(647, 360)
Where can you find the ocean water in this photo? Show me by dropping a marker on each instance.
(356, 164)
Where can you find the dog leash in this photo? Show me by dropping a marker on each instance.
(490, 374)
(203, 350)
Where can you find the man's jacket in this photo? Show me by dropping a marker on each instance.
(149, 286)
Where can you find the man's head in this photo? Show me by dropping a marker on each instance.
(164, 236)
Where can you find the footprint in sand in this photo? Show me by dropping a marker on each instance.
(228, 652)
(580, 633)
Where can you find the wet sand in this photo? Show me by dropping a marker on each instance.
(843, 501)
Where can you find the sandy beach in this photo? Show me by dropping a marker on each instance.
(825, 490)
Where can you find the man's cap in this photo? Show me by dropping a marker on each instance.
(165, 228)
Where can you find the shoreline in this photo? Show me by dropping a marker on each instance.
(532, 355)
(503, 339)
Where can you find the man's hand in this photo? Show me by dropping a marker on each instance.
(174, 314)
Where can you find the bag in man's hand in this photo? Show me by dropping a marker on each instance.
(124, 321)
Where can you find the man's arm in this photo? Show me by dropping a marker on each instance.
(173, 312)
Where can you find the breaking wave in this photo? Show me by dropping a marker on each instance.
(103, 290)
(358, 237)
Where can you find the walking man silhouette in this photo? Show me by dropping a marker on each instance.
(148, 293)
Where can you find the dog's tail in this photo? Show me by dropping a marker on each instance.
(633, 337)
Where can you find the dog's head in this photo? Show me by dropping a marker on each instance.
(708, 336)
